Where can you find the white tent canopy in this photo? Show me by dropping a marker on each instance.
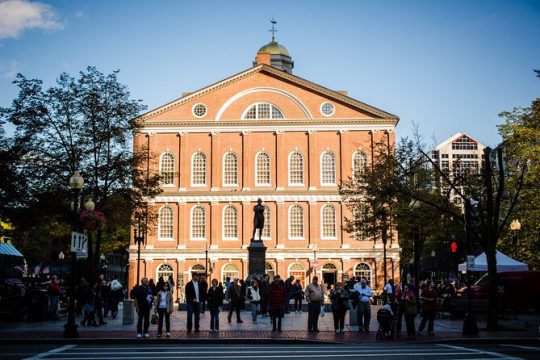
(504, 263)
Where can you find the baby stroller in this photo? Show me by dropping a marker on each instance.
(385, 318)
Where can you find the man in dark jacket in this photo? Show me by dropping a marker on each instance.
(288, 293)
(143, 303)
(194, 297)
(275, 302)
(265, 289)
(236, 298)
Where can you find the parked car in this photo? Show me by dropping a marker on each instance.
(517, 290)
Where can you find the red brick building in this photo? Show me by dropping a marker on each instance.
(262, 133)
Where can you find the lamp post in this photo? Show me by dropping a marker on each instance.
(515, 226)
(433, 264)
(384, 240)
(61, 257)
(206, 262)
(138, 236)
(315, 260)
(76, 182)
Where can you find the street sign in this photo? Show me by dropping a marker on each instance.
(470, 262)
(79, 244)
(315, 265)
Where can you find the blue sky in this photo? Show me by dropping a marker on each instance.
(448, 66)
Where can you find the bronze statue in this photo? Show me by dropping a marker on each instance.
(258, 219)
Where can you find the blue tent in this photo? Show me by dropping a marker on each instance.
(8, 249)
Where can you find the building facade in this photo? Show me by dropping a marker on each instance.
(457, 155)
(262, 133)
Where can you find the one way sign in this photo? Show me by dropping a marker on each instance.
(79, 244)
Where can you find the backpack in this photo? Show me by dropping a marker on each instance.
(116, 285)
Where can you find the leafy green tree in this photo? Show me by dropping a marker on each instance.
(85, 124)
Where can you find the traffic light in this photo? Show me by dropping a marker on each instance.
(472, 214)
(453, 247)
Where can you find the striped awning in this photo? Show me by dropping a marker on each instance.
(8, 249)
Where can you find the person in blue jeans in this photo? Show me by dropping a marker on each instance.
(254, 297)
(143, 303)
(194, 297)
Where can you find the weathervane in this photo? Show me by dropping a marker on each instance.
(273, 30)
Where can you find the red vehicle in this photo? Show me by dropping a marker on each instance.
(516, 290)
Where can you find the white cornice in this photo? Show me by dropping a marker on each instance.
(246, 198)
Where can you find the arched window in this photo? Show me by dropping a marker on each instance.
(229, 270)
(329, 267)
(198, 269)
(165, 223)
(296, 168)
(230, 169)
(230, 222)
(198, 223)
(363, 270)
(198, 169)
(269, 271)
(164, 270)
(360, 163)
(166, 168)
(262, 170)
(328, 168)
(296, 222)
(298, 271)
(263, 111)
(328, 223)
(266, 228)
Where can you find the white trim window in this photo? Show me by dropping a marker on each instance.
(230, 223)
(296, 222)
(198, 223)
(362, 270)
(328, 223)
(360, 163)
(328, 168)
(164, 270)
(266, 227)
(230, 169)
(296, 168)
(166, 168)
(198, 169)
(229, 270)
(165, 223)
(262, 169)
(262, 111)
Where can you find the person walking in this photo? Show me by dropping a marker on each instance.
(236, 300)
(364, 307)
(164, 308)
(214, 300)
(398, 309)
(54, 293)
(314, 298)
(193, 302)
(143, 303)
(276, 299)
(204, 290)
(288, 293)
(409, 302)
(298, 295)
(429, 308)
(340, 305)
(89, 309)
(115, 295)
(102, 295)
(264, 292)
(254, 297)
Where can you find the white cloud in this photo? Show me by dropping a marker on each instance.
(17, 16)
(79, 14)
(9, 69)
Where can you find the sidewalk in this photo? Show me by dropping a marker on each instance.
(294, 326)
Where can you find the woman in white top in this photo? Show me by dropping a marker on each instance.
(254, 297)
(164, 308)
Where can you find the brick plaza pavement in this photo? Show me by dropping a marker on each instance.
(294, 328)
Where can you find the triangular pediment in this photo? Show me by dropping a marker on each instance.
(217, 91)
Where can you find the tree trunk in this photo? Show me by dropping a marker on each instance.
(97, 253)
(491, 257)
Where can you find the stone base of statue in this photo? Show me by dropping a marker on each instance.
(257, 259)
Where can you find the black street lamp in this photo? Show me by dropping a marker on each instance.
(384, 240)
(515, 226)
(61, 257)
(138, 235)
(76, 182)
(433, 264)
(206, 262)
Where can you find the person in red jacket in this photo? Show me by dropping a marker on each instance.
(429, 306)
(276, 298)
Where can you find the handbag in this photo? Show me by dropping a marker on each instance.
(154, 319)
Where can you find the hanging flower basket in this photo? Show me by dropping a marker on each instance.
(92, 220)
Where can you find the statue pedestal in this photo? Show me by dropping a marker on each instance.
(257, 259)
